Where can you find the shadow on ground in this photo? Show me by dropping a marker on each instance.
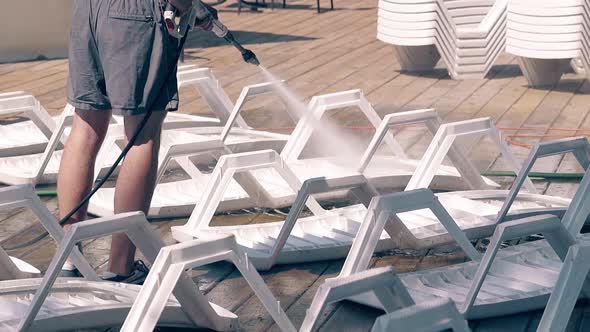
(208, 39)
(440, 72)
(324, 6)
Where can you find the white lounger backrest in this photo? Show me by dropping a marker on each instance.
(223, 173)
(432, 316)
(318, 105)
(382, 282)
(18, 103)
(580, 148)
(442, 143)
(253, 91)
(432, 122)
(209, 87)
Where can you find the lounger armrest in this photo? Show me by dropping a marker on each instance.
(226, 167)
(578, 146)
(358, 183)
(247, 92)
(432, 316)
(549, 225)
(184, 150)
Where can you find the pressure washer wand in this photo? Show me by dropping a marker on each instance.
(247, 55)
(204, 16)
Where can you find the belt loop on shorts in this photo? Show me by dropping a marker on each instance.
(159, 6)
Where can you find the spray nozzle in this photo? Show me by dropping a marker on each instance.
(250, 57)
(247, 55)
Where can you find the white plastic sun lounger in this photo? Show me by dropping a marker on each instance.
(328, 234)
(32, 136)
(171, 263)
(24, 137)
(400, 308)
(468, 35)
(86, 303)
(178, 197)
(53, 304)
(43, 167)
(264, 188)
(502, 281)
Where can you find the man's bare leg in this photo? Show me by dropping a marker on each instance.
(135, 185)
(76, 169)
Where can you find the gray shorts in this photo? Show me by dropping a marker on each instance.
(120, 55)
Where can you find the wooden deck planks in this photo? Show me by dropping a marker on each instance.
(318, 54)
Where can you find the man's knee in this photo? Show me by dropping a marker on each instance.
(150, 133)
(92, 126)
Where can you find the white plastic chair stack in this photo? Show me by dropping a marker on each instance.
(467, 34)
(546, 36)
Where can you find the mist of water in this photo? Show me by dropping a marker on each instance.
(334, 142)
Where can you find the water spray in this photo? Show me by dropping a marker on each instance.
(205, 17)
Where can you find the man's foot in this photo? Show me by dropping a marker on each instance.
(137, 277)
(69, 270)
(74, 273)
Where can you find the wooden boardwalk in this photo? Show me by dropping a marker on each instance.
(333, 51)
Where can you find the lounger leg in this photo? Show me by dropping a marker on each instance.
(264, 294)
(567, 289)
(432, 316)
(417, 58)
(173, 260)
(543, 72)
(9, 271)
(383, 282)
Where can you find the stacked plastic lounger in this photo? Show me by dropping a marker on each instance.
(468, 34)
(546, 36)
(502, 281)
